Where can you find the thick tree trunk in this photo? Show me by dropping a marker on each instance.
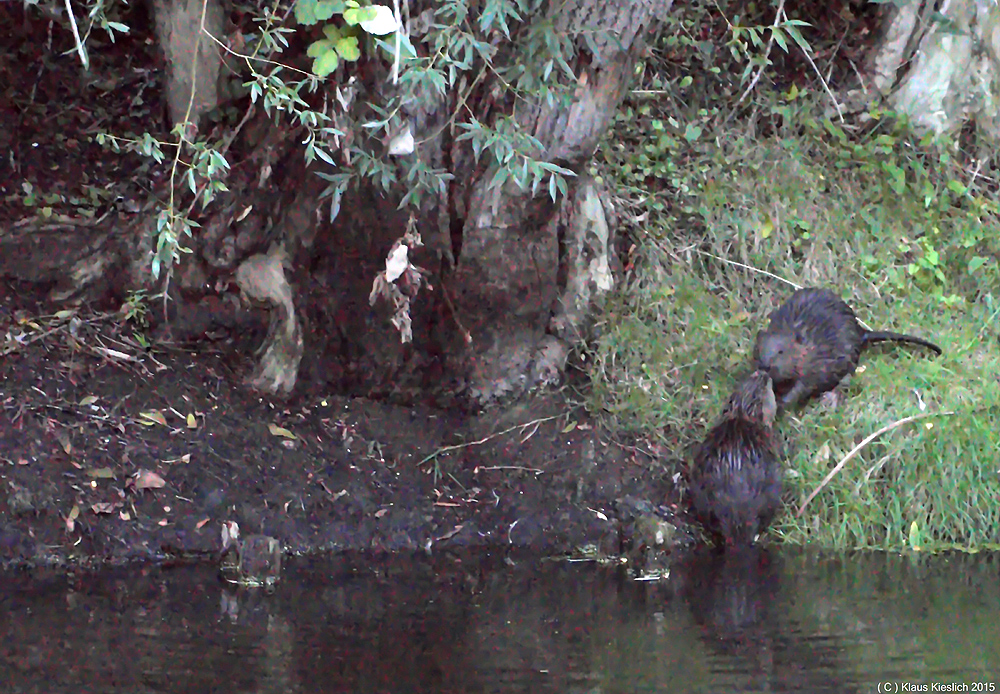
(526, 270)
(951, 69)
(193, 59)
(512, 279)
(506, 283)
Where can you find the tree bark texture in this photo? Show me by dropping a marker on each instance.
(193, 59)
(951, 70)
(517, 252)
(511, 280)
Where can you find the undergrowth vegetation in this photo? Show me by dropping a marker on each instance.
(726, 213)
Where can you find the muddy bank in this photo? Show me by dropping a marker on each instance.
(113, 452)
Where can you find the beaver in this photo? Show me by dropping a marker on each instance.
(735, 481)
(813, 341)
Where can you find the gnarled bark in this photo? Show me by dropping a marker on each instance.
(941, 74)
(503, 284)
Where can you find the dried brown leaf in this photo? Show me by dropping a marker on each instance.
(62, 436)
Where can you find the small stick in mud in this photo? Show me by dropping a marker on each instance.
(813, 341)
(735, 481)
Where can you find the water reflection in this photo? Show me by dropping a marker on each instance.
(759, 621)
(739, 603)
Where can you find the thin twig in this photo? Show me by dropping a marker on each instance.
(399, 32)
(76, 37)
(826, 87)
(836, 50)
(751, 268)
(854, 451)
(484, 440)
(767, 52)
(534, 470)
(466, 335)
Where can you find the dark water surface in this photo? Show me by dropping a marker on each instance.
(774, 622)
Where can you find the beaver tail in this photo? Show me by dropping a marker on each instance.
(885, 335)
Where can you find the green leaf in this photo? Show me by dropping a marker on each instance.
(779, 38)
(332, 32)
(499, 178)
(309, 12)
(348, 48)
(975, 263)
(791, 27)
(406, 49)
(326, 63)
(357, 15)
(957, 187)
(897, 177)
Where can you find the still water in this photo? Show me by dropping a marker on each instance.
(767, 622)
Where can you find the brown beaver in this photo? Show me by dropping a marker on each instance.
(813, 341)
(735, 481)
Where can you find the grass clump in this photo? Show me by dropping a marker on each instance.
(879, 217)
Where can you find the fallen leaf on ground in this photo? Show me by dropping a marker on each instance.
(71, 518)
(454, 531)
(147, 479)
(280, 431)
(152, 417)
(63, 437)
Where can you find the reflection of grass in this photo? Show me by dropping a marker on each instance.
(910, 614)
(679, 333)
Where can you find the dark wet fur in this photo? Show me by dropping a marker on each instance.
(813, 341)
(735, 481)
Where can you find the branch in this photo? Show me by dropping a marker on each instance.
(857, 449)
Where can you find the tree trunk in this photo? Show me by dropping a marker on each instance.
(178, 27)
(952, 66)
(502, 286)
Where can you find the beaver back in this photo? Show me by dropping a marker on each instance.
(735, 482)
(813, 337)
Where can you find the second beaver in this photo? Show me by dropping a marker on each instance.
(813, 341)
(735, 481)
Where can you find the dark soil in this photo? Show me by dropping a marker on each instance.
(87, 413)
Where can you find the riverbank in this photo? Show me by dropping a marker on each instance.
(113, 453)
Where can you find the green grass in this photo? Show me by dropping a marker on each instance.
(813, 210)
